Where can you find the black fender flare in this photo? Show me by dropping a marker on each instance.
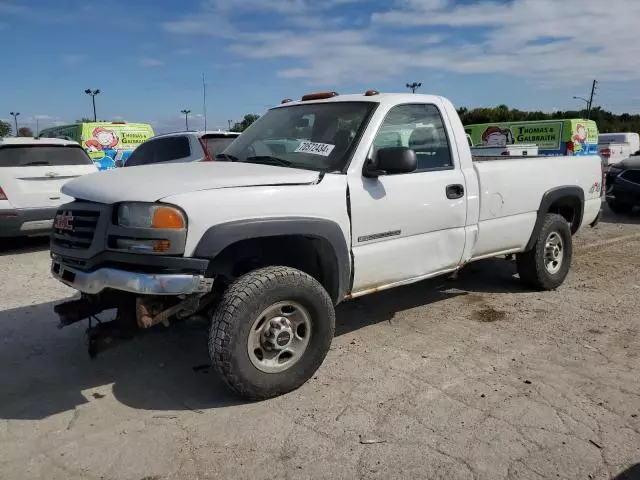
(548, 199)
(221, 236)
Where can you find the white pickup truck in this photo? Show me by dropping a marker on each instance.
(267, 240)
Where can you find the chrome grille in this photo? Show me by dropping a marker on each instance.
(75, 229)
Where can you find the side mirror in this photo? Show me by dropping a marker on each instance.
(391, 160)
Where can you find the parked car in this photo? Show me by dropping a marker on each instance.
(181, 147)
(266, 244)
(32, 171)
(623, 185)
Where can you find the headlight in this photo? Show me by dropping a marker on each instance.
(149, 215)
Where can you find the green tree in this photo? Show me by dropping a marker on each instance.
(5, 129)
(25, 132)
(84, 120)
(244, 124)
(606, 121)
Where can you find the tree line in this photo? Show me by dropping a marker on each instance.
(607, 122)
(6, 130)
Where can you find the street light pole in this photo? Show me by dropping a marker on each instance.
(583, 99)
(93, 94)
(15, 120)
(414, 86)
(186, 113)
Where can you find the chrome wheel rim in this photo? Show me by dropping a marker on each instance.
(553, 253)
(279, 337)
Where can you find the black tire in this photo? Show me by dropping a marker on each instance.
(619, 207)
(234, 317)
(531, 265)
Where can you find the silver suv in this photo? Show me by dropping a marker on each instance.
(196, 146)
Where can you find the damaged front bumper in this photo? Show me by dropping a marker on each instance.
(141, 300)
(132, 282)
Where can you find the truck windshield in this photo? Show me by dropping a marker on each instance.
(315, 136)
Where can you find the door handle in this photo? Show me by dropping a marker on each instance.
(454, 191)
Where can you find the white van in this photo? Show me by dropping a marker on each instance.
(631, 138)
(614, 152)
(32, 171)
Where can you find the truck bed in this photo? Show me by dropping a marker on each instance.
(510, 194)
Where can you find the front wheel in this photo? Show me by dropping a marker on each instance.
(546, 265)
(271, 332)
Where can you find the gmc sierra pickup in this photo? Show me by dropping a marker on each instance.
(321, 200)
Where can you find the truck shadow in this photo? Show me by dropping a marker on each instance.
(631, 473)
(13, 246)
(46, 371)
(632, 218)
(487, 276)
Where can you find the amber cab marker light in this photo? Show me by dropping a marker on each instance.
(167, 217)
(319, 96)
(370, 93)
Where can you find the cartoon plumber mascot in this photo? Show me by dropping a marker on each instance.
(103, 140)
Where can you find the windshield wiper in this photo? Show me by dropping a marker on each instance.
(226, 156)
(42, 162)
(269, 160)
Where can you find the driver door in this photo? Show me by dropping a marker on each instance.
(412, 225)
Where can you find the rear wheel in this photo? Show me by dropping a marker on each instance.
(546, 265)
(271, 332)
(617, 206)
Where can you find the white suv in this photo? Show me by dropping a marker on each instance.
(198, 146)
(32, 171)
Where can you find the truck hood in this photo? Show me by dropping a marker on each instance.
(150, 183)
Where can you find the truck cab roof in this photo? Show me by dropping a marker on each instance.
(381, 98)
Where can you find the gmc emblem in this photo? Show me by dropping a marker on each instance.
(63, 222)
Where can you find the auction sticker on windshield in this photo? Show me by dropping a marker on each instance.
(314, 148)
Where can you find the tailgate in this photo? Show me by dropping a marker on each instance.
(31, 176)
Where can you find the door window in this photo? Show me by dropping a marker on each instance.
(419, 127)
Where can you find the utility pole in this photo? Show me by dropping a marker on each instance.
(15, 120)
(93, 94)
(414, 86)
(204, 101)
(593, 92)
(186, 118)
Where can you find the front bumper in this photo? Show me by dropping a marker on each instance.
(133, 282)
(26, 221)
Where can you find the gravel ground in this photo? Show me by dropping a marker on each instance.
(474, 378)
